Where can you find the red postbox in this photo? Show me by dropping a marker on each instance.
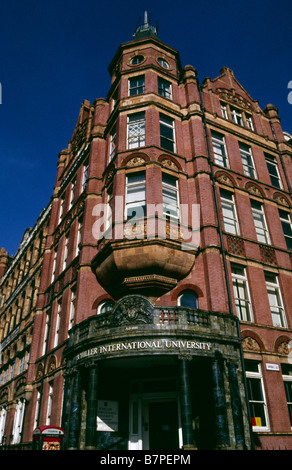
(48, 438)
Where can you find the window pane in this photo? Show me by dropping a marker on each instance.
(136, 85)
(188, 299)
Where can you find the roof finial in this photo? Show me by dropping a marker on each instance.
(145, 29)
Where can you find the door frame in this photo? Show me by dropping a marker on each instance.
(139, 417)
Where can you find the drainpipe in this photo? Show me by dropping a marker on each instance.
(223, 251)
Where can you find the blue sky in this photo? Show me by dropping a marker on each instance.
(54, 54)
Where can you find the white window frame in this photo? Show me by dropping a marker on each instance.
(168, 123)
(273, 289)
(164, 88)
(72, 309)
(3, 415)
(140, 186)
(286, 221)
(109, 212)
(229, 205)
(46, 334)
(85, 175)
(57, 324)
(190, 292)
(18, 421)
(288, 378)
(136, 130)
(105, 304)
(54, 266)
(240, 285)
(174, 189)
(237, 116)
(271, 161)
(61, 208)
(72, 193)
(218, 141)
(112, 150)
(260, 223)
(258, 376)
(224, 110)
(249, 122)
(49, 405)
(37, 407)
(247, 160)
(78, 240)
(65, 256)
(135, 88)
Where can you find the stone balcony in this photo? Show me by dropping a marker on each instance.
(136, 327)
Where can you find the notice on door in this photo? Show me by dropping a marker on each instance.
(107, 415)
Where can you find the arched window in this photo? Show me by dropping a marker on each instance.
(188, 298)
(105, 306)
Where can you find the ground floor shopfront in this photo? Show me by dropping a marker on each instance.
(155, 380)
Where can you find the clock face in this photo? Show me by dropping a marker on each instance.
(163, 63)
(137, 59)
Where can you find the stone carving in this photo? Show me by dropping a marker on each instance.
(250, 344)
(224, 179)
(234, 98)
(135, 161)
(252, 189)
(284, 348)
(132, 310)
(167, 163)
(280, 199)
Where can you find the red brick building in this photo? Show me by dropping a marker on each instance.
(163, 312)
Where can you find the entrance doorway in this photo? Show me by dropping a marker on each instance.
(163, 425)
(155, 422)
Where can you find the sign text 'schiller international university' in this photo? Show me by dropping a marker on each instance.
(149, 345)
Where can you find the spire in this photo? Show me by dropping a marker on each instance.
(145, 29)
